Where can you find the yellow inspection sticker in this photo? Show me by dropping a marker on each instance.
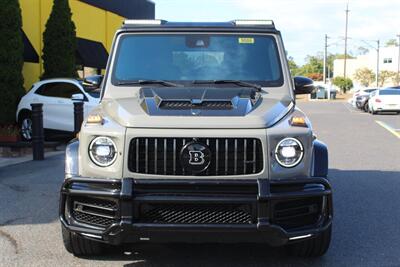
(246, 40)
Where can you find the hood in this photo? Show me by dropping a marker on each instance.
(198, 108)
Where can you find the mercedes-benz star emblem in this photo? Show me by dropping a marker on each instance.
(195, 157)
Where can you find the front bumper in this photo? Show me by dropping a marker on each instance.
(274, 212)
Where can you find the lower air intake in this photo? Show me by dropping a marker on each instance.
(195, 214)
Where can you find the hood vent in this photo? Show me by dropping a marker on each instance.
(212, 105)
(199, 101)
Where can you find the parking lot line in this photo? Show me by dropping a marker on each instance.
(389, 128)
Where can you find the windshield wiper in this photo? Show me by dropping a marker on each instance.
(237, 82)
(141, 82)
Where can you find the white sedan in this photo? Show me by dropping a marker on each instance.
(57, 97)
(384, 100)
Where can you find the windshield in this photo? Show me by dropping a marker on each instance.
(195, 57)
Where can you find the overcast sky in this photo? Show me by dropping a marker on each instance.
(303, 23)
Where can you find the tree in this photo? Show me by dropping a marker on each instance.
(314, 66)
(341, 56)
(315, 76)
(344, 84)
(396, 80)
(365, 76)
(59, 39)
(292, 66)
(386, 75)
(391, 42)
(11, 59)
(362, 50)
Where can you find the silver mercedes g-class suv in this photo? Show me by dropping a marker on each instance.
(197, 139)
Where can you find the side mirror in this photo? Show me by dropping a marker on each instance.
(93, 81)
(78, 97)
(303, 85)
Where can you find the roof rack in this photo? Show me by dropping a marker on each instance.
(233, 23)
(144, 22)
(248, 22)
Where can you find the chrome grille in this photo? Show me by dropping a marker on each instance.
(229, 156)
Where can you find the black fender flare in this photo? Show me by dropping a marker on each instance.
(72, 158)
(320, 159)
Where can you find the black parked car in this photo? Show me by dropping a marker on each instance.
(362, 100)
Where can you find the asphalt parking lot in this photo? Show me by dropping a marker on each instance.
(364, 171)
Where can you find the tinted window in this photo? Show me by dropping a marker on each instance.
(389, 92)
(63, 90)
(189, 57)
(369, 90)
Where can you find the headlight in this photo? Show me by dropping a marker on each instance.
(289, 152)
(102, 151)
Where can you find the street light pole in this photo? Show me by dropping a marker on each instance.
(325, 57)
(345, 40)
(398, 63)
(377, 63)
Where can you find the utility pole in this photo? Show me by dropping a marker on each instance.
(325, 57)
(398, 62)
(345, 40)
(377, 63)
(377, 48)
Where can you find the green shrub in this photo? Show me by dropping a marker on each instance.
(59, 43)
(344, 84)
(11, 60)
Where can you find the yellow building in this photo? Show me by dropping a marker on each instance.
(95, 20)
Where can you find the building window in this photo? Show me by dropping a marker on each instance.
(387, 60)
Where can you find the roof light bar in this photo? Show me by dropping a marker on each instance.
(244, 22)
(143, 22)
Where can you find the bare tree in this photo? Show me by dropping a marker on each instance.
(364, 76)
(385, 75)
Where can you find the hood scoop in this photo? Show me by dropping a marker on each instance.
(198, 101)
(213, 105)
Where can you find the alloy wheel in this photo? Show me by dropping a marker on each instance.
(26, 128)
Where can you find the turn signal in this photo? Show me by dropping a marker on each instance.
(298, 121)
(95, 119)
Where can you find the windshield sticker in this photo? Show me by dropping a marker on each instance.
(246, 40)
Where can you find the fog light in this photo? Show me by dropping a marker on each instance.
(289, 152)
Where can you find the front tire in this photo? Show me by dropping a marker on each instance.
(25, 124)
(80, 246)
(314, 247)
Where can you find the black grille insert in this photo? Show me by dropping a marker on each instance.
(94, 211)
(196, 213)
(92, 219)
(297, 213)
(229, 156)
